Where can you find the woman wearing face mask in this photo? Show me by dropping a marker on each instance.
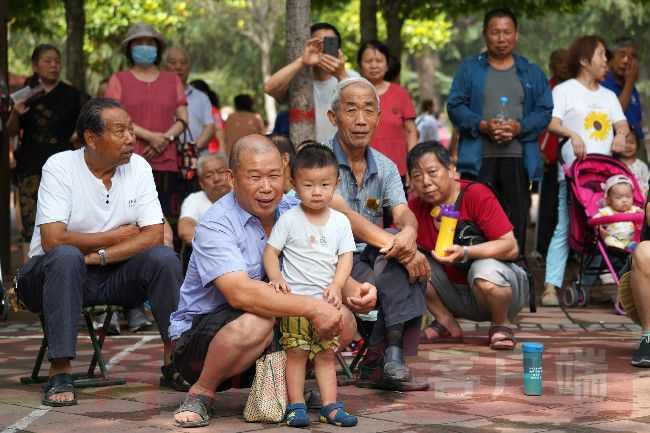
(396, 132)
(47, 121)
(156, 102)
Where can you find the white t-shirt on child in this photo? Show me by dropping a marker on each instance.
(310, 252)
(589, 113)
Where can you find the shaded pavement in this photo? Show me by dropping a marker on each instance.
(589, 385)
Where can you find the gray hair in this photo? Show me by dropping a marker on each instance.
(350, 81)
(90, 117)
(623, 42)
(255, 143)
(209, 157)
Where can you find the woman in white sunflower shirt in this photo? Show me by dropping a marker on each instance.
(592, 119)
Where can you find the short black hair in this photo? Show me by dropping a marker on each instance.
(375, 45)
(243, 103)
(205, 88)
(90, 116)
(284, 144)
(327, 26)
(422, 149)
(499, 13)
(159, 53)
(314, 155)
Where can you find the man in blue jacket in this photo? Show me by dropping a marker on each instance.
(500, 102)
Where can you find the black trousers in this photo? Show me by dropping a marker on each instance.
(59, 283)
(547, 218)
(509, 179)
(399, 301)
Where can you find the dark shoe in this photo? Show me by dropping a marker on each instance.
(296, 415)
(395, 368)
(172, 379)
(641, 357)
(371, 376)
(58, 384)
(198, 404)
(137, 320)
(312, 399)
(113, 326)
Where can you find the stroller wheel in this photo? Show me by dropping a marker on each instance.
(569, 296)
(583, 296)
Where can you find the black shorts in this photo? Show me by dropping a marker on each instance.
(192, 348)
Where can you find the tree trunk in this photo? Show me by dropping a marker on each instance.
(269, 102)
(301, 92)
(426, 64)
(394, 23)
(74, 45)
(368, 19)
(5, 178)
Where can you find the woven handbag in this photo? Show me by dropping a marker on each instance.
(267, 401)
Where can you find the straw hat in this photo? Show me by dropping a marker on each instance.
(140, 30)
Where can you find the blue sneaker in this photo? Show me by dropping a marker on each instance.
(341, 417)
(297, 415)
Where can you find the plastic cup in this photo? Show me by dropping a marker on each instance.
(532, 353)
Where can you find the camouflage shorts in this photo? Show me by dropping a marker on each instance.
(300, 333)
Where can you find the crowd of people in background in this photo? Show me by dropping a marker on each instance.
(360, 206)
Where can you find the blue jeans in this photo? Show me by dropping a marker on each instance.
(558, 249)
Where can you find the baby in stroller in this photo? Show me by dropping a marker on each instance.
(619, 197)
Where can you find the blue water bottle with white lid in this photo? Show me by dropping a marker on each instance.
(532, 353)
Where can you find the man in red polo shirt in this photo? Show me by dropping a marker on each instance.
(477, 282)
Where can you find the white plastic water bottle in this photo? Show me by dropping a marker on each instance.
(502, 114)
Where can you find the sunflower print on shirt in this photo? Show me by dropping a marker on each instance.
(598, 125)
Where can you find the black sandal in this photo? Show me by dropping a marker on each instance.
(171, 378)
(58, 384)
(198, 404)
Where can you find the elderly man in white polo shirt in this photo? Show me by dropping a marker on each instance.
(201, 123)
(99, 240)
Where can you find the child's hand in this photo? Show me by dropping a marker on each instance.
(603, 231)
(333, 296)
(280, 286)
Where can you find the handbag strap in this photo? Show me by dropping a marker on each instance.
(459, 200)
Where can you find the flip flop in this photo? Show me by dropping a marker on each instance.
(198, 404)
(504, 342)
(444, 336)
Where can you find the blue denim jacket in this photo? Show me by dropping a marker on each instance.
(465, 108)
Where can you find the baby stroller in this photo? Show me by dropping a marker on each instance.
(585, 178)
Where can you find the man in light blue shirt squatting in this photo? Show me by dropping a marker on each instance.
(226, 313)
(370, 182)
(201, 127)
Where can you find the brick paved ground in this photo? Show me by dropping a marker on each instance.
(589, 385)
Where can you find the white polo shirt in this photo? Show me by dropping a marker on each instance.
(71, 194)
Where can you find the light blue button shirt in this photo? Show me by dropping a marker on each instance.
(381, 187)
(199, 112)
(227, 239)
